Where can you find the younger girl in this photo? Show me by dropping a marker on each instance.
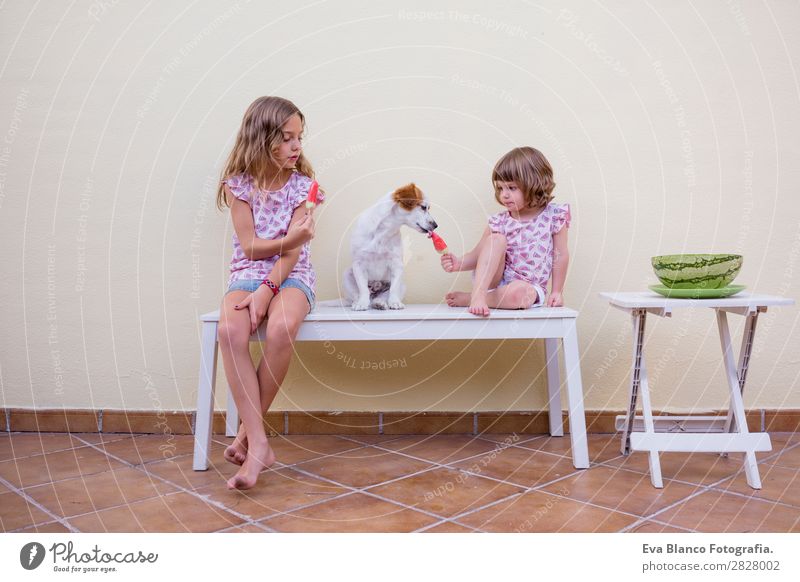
(522, 246)
(265, 183)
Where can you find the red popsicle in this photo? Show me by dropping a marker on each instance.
(438, 243)
(311, 202)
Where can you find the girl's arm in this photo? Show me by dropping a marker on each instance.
(256, 248)
(258, 301)
(469, 261)
(560, 264)
(288, 259)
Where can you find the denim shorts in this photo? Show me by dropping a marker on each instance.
(250, 285)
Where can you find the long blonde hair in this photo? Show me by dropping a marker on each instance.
(259, 136)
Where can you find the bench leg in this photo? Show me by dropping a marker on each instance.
(553, 386)
(205, 396)
(577, 418)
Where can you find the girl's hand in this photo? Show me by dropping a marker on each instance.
(257, 302)
(555, 300)
(300, 232)
(450, 263)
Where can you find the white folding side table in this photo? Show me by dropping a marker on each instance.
(723, 436)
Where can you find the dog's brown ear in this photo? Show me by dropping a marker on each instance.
(408, 196)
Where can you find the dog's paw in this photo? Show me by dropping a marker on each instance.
(379, 304)
(396, 305)
(360, 305)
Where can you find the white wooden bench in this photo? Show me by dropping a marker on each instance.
(419, 322)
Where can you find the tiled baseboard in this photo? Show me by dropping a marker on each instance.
(295, 423)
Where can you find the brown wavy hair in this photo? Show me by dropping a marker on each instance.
(530, 170)
(259, 136)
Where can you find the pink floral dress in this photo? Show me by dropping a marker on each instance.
(272, 213)
(529, 254)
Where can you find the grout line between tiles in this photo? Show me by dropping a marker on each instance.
(647, 474)
(439, 465)
(538, 489)
(751, 498)
(151, 476)
(526, 489)
(433, 525)
(522, 439)
(294, 467)
(15, 458)
(777, 454)
(701, 490)
(256, 524)
(686, 529)
(449, 466)
(488, 505)
(453, 519)
(411, 507)
(356, 448)
(84, 514)
(364, 491)
(353, 439)
(347, 493)
(83, 475)
(629, 528)
(365, 488)
(51, 481)
(713, 487)
(38, 506)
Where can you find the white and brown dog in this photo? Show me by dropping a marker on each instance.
(376, 277)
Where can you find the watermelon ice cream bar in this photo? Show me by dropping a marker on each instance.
(438, 243)
(311, 201)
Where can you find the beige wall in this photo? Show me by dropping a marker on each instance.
(672, 127)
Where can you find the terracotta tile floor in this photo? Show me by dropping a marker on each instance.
(447, 483)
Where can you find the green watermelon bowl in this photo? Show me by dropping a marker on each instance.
(701, 271)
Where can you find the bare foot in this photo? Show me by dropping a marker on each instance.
(457, 299)
(477, 306)
(236, 452)
(259, 458)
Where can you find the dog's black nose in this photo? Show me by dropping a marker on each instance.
(434, 225)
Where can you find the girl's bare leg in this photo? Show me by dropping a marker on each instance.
(515, 295)
(284, 316)
(231, 328)
(234, 342)
(488, 273)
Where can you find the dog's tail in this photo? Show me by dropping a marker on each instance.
(335, 303)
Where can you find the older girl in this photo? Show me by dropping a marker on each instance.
(265, 183)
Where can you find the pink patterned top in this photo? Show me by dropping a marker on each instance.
(272, 213)
(529, 254)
